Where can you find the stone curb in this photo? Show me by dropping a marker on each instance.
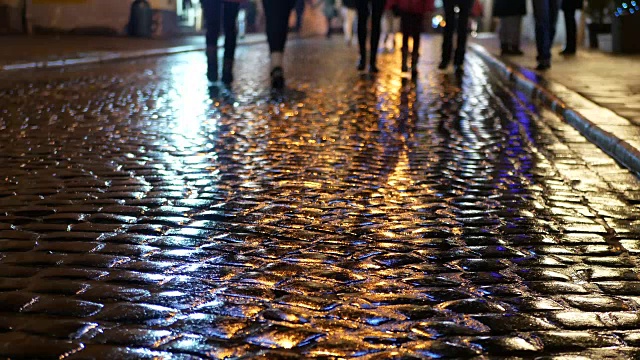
(617, 148)
(112, 56)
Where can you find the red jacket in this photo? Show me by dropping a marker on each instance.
(413, 6)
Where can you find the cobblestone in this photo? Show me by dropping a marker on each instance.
(145, 215)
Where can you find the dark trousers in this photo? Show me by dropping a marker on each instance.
(299, 6)
(411, 27)
(570, 22)
(377, 8)
(459, 23)
(277, 13)
(545, 13)
(215, 11)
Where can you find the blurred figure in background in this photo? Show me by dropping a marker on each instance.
(330, 11)
(545, 14)
(510, 13)
(375, 9)
(569, 8)
(455, 22)
(277, 14)
(225, 11)
(299, 6)
(411, 14)
(390, 26)
(349, 15)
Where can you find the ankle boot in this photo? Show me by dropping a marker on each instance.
(212, 64)
(227, 71)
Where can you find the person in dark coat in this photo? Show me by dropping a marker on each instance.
(569, 8)
(455, 22)
(510, 13)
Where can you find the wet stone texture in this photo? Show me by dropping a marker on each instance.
(145, 216)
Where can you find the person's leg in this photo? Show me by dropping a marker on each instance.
(377, 8)
(350, 18)
(230, 12)
(363, 17)
(277, 14)
(212, 13)
(517, 35)
(404, 28)
(570, 23)
(554, 11)
(503, 34)
(447, 39)
(462, 31)
(299, 5)
(416, 28)
(543, 39)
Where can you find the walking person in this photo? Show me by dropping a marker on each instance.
(216, 11)
(330, 11)
(545, 14)
(277, 14)
(389, 27)
(349, 14)
(411, 18)
(455, 23)
(510, 13)
(569, 8)
(364, 8)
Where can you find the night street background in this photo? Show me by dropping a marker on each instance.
(144, 214)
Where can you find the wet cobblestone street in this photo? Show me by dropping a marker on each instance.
(146, 216)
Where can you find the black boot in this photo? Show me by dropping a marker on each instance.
(372, 63)
(414, 64)
(227, 71)
(405, 57)
(212, 64)
(277, 78)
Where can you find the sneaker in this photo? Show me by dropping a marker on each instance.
(543, 66)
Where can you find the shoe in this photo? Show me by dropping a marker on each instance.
(516, 51)
(227, 71)
(566, 52)
(543, 66)
(373, 69)
(458, 69)
(443, 65)
(277, 78)
(361, 64)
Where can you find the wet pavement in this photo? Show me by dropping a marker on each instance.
(144, 215)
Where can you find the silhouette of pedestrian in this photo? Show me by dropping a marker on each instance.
(411, 18)
(216, 11)
(458, 22)
(545, 14)
(569, 8)
(349, 10)
(300, 7)
(375, 8)
(277, 14)
(510, 13)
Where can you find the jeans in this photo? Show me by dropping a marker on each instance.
(457, 23)
(545, 13)
(377, 8)
(277, 14)
(214, 11)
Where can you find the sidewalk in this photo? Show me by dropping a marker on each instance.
(28, 52)
(602, 90)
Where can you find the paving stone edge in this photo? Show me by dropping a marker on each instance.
(112, 56)
(617, 148)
